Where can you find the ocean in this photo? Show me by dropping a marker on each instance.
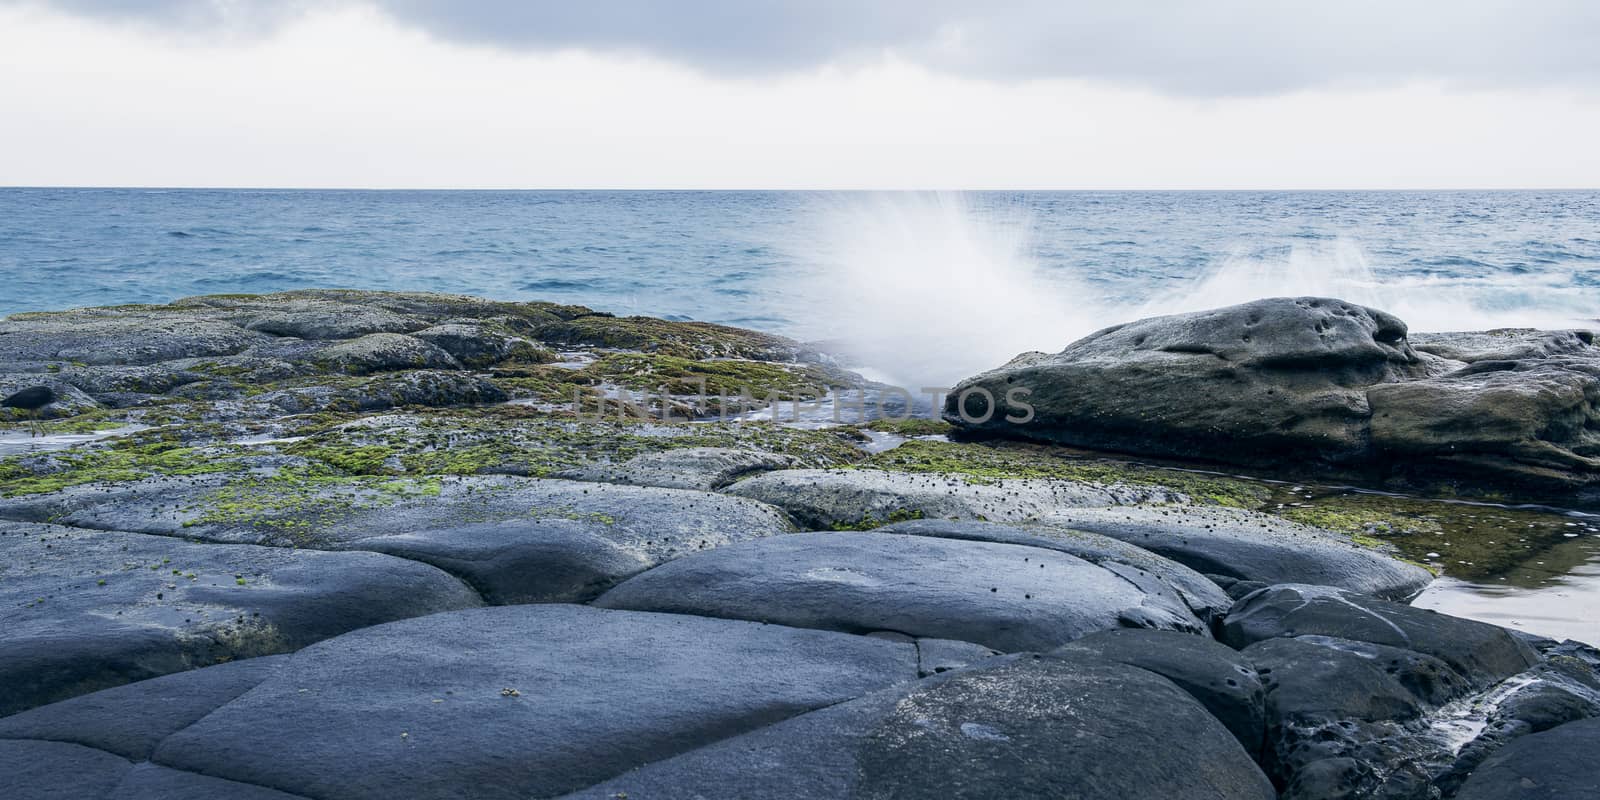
(923, 286)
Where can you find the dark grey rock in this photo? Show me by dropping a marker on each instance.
(1430, 680)
(527, 561)
(1503, 344)
(432, 388)
(523, 701)
(476, 344)
(130, 720)
(852, 498)
(661, 523)
(85, 610)
(1258, 382)
(1558, 764)
(154, 782)
(1222, 680)
(1480, 652)
(1518, 423)
(136, 335)
(935, 656)
(1312, 383)
(1018, 727)
(63, 399)
(1006, 597)
(36, 770)
(1134, 563)
(1332, 718)
(703, 468)
(327, 320)
(384, 352)
(1250, 546)
(1311, 680)
(1563, 689)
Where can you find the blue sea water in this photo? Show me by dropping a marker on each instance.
(745, 258)
(919, 287)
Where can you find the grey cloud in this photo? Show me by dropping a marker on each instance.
(1217, 47)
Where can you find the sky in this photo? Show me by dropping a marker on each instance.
(804, 94)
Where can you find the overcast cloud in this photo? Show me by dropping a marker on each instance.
(822, 94)
(1211, 48)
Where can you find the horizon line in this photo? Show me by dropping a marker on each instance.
(810, 190)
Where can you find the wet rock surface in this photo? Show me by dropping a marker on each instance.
(1483, 654)
(1252, 547)
(1221, 679)
(396, 710)
(1310, 381)
(329, 484)
(868, 498)
(1007, 597)
(1558, 763)
(704, 468)
(1141, 567)
(84, 610)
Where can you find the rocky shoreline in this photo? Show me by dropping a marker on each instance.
(330, 544)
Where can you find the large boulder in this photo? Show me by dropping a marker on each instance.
(1481, 653)
(857, 498)
(1004, 596)
(516, 540)
(1557, 764)
(84, 610)
(1313, 383)
(508, 702)
(1216, 675)
(1251, 546)
(704, 468)
(1140, 566)
(1058, 726)
(1257, 382)
(120, 335)
(385, 352)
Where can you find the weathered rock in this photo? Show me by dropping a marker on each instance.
(385, 352)
(1481, 653)
(529, 561)
(398, 711)
(128, 335)
(1003, 596)
(1563, 689)
(1334, 717)
(1254, 383)
(1519, 422)
(432, 388)
(1217, 676)
(1554, 765)
(704, 468)
(40, 770)
(131, 720)
(476, 344)
(64, 399)
(85, 610)
(1063, 726)
(1133, 563)
(1250, 546)
(865, 498)
(1502, 344)
(935, 656)
(1313, 382)
(516, 540)
(312, 319)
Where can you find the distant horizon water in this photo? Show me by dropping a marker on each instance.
(920, 286)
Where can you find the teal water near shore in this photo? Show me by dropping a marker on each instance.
(745, 258)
